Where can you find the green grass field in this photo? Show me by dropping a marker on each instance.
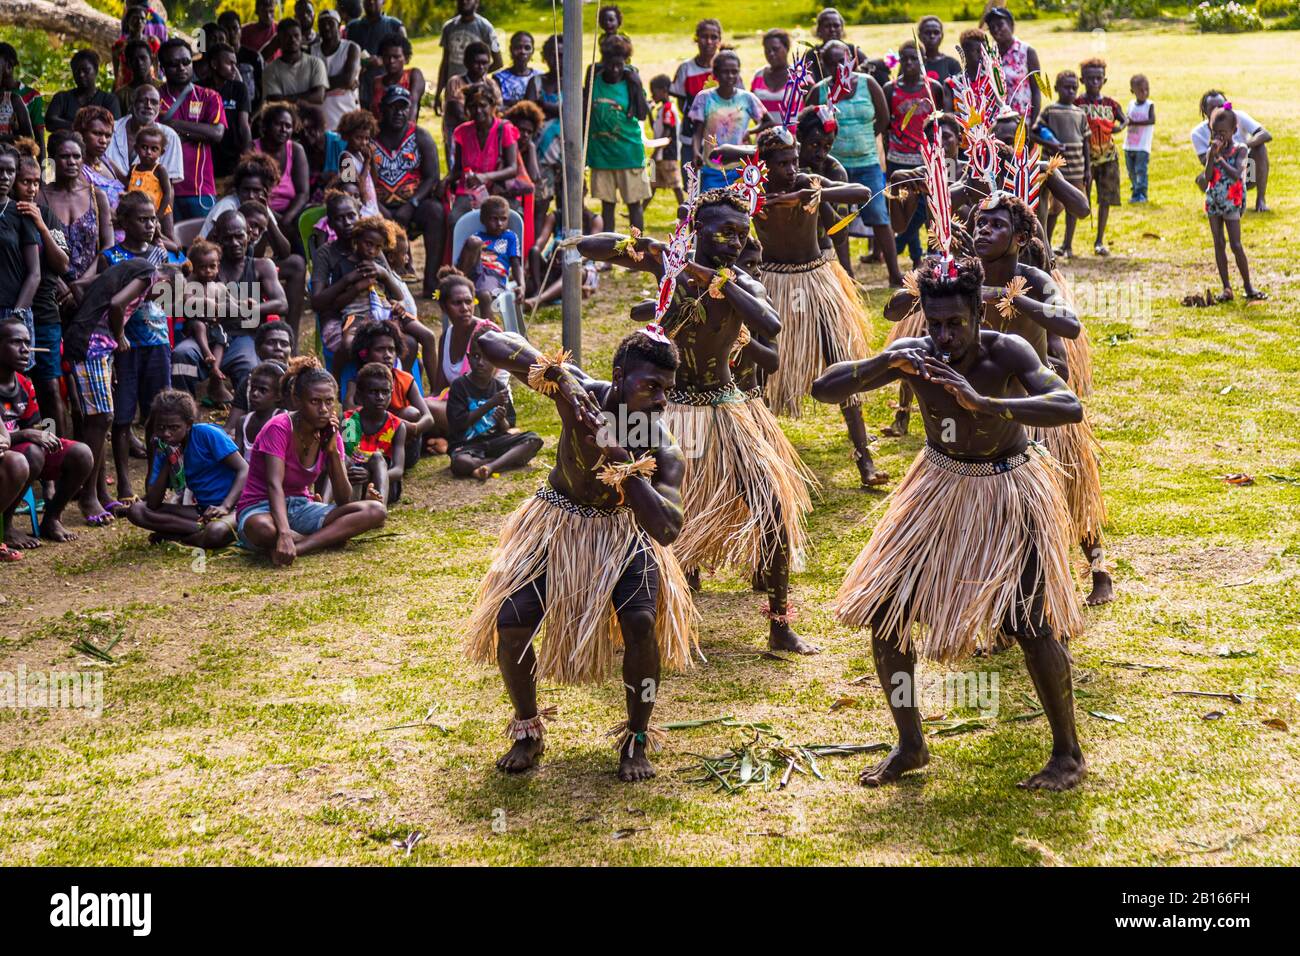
(252, 715)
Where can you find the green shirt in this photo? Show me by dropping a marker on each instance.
(615, 140)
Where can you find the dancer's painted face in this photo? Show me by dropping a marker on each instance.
(994, 234)
(722, 234)
(952, 327)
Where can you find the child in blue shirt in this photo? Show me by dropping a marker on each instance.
(188, 457)
(492, 256)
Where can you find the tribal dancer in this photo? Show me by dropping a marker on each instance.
(822, 318)
(745, 503)
(587, 558)
(974, 543)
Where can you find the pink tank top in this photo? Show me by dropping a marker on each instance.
(283, 193)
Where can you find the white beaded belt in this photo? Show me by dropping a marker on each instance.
(565, 503)
(976, 469)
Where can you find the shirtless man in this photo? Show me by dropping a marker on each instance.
(974, 543)
(745, 505)
(586, 560)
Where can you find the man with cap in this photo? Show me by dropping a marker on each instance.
(406, 178)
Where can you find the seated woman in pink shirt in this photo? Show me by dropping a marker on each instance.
(288, 198)
(485, 155)
(278, 514)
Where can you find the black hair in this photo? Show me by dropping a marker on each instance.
(522, 33)
(397, 39)
(719, 197)
(778, 34)
(640, 347)
(59, 137)
(809, 123)
(662, 81)
(82, 56)
(709, 22)
(772, 139)
(374, 372)
(269, 369)
(126, 205)
(1023, 220)
(608, 7)
(288, 23)
(965, 280)
(133, 45)
(372, 329)
(267, 328)
(9, 322)
(1207, 96)
(172, 44)
(307, 377)
(615, 44)
(173, 401)
(477, 48)
(8, 53)
(726, 51)
(996, 12)
(449, 277)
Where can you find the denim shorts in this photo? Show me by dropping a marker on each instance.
(48, 365)
(305, 516)
(875, 212)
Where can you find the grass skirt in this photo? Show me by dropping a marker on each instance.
(945, 561)
(583, 553)
(1078, 351)
(740, 491)
(1075, 448)
(822, 322)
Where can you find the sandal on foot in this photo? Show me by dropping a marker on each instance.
(1100, 250)
(1224, 296)
(113, 507)
(1256, 295)
(101, 520)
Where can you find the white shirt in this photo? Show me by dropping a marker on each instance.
(1139, 137)
(1246, 127)
(171, 156)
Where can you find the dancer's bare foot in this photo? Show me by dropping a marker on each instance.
(17, 539)
(897, 428)
(1062, 772)
(1262, 206)
(52, 530)
(435, 446)
(781, 637)
(523, 755)
(1103, 589)
(896, 763)
(635, 766)
(871, 476)
(482, 472)
(758, 582)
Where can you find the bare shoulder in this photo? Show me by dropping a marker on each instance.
(670, 461)
(1011, 352)
(748, 283)
(1036, 277)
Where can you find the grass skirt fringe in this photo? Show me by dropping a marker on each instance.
(822, 322)
(1075, 448)
(945, 561)
(582, 557)
(1078, 351)
(739, 490)
(771, 430)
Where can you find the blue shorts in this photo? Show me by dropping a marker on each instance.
(192, 207)
(876, 212)
(142, 373)
(305, 516)
(48, 366)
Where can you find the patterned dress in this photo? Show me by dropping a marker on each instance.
(1015, 67)
(1223, 196)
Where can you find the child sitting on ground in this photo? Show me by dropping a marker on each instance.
(1225, 198)
(481, 420)
(148, 176)
(264, 402)
(491, 256)
(49, 457)
(373, 437)
(195, 457)
(382, 342)
(206, 329)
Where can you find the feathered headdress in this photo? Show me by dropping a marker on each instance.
(1022, 177)
(935, 168)
(751, 183)
(675, 256)
(796, 85)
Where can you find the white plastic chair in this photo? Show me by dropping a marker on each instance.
(506, 304)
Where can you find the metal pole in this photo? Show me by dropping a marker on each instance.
(571, 95)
